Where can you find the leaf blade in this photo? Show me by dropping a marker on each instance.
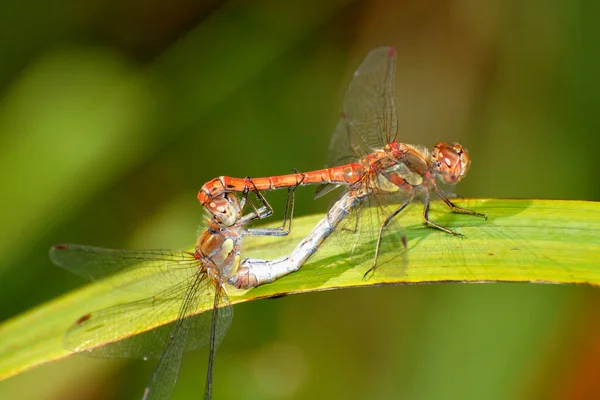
(538, 241)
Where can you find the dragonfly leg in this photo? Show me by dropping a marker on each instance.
(288, 212)
(383, 225)
(264, 211)
(434, 224)
(288, 215)
(286, 225)
(457, 209)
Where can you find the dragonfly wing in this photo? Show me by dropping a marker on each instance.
(188, 332)
(342, 150)
(393, 252)
(97, 333)
(148, 271)
(324, 189)
(369, 101)
(200, 326)
(369, 119)
(358, 233)
(220, 321)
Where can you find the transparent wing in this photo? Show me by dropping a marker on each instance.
(369, 101)
(343, 148)
(92, 331)
(149, 271)
(369, 119)
(342, 151)
(185, 335)
(358, 233)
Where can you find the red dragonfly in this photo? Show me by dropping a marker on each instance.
(188, 279)
(384, 170)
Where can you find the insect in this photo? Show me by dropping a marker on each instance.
(382, 170)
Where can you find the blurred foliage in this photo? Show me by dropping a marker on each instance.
(112, 115)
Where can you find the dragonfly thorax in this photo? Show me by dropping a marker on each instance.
(399, 177)
(394, 149)
(220, 250)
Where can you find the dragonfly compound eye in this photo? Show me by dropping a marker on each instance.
(451, 161)
(225, 211)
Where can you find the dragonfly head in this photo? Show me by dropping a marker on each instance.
(451, 162)
(225, 209)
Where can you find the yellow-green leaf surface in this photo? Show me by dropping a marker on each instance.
(541, 241)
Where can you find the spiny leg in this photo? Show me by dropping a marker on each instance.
(433, 224)
(383, 225)
(457, 209)
(257, 213)
(287, 220)
(288, 214)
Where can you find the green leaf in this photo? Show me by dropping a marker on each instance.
(538, 241)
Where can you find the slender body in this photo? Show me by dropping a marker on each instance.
(254, 272)
(345, 175)
(189, 280)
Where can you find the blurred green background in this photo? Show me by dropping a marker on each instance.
(113, 114)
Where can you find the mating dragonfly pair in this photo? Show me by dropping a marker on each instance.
(365, 158)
